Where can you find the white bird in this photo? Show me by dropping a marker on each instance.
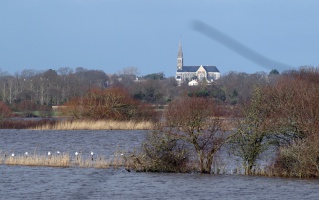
(12, 155)
(58, 152)
(92, 155)
(76, 155)
(49, 153)
(26, 154)
(122, 154)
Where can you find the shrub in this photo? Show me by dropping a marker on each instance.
(26, 107)
(293, 101)
(111, 103)
(161, 153)
(5, 111)
(24, 124)
(300, 159)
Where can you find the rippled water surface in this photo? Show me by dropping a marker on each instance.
(20, 182)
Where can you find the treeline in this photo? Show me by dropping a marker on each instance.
(31, 90)
(50, 87)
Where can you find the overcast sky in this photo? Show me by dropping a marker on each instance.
(110, 35)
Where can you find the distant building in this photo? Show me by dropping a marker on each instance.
(198, 73)
(193, 83)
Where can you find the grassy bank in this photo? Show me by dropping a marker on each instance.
(96, 125)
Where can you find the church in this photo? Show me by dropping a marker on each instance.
(193, 74)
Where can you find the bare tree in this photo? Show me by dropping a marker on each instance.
(129, 71)
(293, 100)
(196, 121)
(251, 131)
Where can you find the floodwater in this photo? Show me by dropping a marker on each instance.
(22, 182)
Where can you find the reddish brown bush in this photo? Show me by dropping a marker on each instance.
(26, 106)
(5, 111)
(24, 124)
(112, 103)
(294, 103)
(295, 117)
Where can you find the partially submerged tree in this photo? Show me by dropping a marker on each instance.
(295, 116)
(251, 130)
(196, 121)
(161, 153)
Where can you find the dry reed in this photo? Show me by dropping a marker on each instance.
(119, 160)
(40, 160)
(102, 163)
(64, 160)
(97, 125)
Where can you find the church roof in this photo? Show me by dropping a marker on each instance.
(195, 68)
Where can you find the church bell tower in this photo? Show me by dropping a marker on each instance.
(180, 57)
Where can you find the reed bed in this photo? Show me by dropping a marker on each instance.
(103, 163)
(118, 160)
(64, 160)
(96, 125)
(115, 162)
(40, 160)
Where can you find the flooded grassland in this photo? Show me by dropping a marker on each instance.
(33, 182)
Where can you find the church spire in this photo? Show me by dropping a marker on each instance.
(180, 56)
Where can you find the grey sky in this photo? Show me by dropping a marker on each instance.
(112, 34)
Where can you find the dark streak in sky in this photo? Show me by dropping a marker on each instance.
(237, 47)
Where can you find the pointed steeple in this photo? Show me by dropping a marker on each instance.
(180, 51)
(180, 56)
